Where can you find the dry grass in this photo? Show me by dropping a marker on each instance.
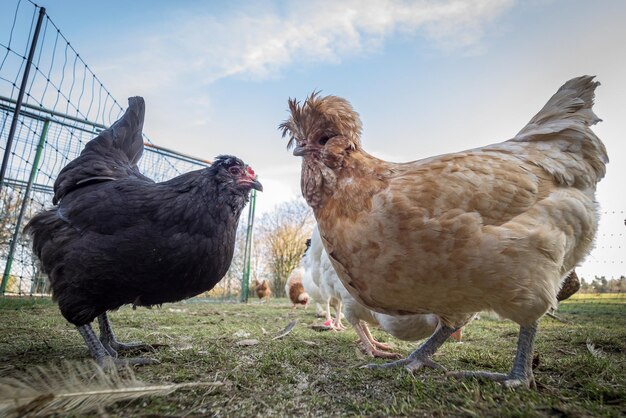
(317, 374)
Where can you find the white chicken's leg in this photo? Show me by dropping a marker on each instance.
(337, 323)
(373, 341)
(522, 372)
(370, 349)
(421, 357)
(102, 356)
(329, 319)
(110, 343)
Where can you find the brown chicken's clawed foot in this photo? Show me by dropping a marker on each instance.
(521, 374)
(507, 380)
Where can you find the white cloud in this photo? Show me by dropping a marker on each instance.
(260, 44)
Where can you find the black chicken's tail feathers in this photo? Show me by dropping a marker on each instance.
(127, 132)
(112, 155)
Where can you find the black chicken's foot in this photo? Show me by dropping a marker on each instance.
(422, 356)
(111, 363)
(521, 374)
(102, 356)
(110, 343)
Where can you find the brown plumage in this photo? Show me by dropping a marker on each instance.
(295, 290)
(569, 287)
(263, 290)
(493, 228)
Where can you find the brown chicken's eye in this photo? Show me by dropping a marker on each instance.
(323, 140)
(234, 170)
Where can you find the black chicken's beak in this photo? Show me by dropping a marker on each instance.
(256, 185)
(299, 151)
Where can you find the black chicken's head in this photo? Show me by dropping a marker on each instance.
(233, 172)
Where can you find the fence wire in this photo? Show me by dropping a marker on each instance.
(64, 105)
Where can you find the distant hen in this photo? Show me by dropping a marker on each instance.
(115, 237)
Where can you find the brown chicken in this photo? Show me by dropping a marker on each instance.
(295, 290)
(263, 290)
(494, 228)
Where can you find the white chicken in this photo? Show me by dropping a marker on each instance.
(312, 289)
(318, 275)
(494, 228)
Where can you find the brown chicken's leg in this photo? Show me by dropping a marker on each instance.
(110, 343)
(102, 356)
(421, 357)
(522, 372)
(368, 346)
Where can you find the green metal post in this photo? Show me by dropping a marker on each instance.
(20, 217)
(245, 280)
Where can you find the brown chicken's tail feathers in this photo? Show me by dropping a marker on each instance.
(575, 155)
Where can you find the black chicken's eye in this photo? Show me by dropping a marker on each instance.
(323, 140)
(234, 170)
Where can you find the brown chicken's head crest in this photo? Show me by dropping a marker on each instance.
(323, 125)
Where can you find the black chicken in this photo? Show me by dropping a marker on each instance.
(116, 237)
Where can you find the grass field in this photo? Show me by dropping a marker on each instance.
(311, 373)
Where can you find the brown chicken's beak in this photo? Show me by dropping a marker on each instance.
(299, 151)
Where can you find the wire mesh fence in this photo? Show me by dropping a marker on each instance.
(62, 105)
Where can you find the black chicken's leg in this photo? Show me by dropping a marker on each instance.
(522, 372)
(422, 356)
(102, 356)
(97, 350)
(110, 343)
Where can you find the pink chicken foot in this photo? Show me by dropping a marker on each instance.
(370, 344)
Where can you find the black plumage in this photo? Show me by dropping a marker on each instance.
(116, 237)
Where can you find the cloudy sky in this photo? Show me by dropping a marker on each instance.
(427, 77)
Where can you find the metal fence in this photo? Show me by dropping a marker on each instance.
(51, 104)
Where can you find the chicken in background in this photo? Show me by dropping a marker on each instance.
(310, 287)
(406, 328)
(295, 290)
(263, 290)
(494, 228)
(115, 237)
(313, 291)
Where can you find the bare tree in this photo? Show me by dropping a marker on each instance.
(283, 234)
